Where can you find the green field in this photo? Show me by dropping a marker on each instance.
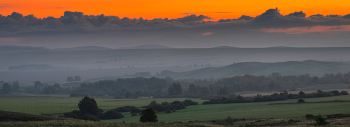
(199, 112)
(51, 105)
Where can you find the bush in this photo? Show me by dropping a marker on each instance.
(88, 105)
(72, 114)
(148, 115)
(335, 92)
(89, 117)
(111, 114)
(133, 114)
(168, 111)
(320, 120)
(344, 93)
(190, 102)
(229, 120)
(301, 101)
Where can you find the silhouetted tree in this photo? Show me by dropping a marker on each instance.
(148, 115)
(57, 86)
(302, 94)
(223, 91)
(88, 105)
(171, 90)
(178, 89)
(128, 94)
(301, 101)
(6, 87)
(192, 88)
(69, 79)
(15, 86)
(77, 78)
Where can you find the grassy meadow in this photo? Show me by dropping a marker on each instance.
(48, 105)
(52, 105)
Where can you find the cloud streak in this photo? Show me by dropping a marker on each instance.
(313, 29)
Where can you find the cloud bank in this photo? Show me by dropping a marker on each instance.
(77, 21)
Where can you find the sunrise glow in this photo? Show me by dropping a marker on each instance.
(150, 9)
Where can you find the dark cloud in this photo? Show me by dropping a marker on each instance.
(297, 14)
(270, 15)
(245, 17)
(16, 23)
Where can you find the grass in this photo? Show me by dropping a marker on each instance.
(51, 105)
(38, 105)
(252, 110)
(78, 123)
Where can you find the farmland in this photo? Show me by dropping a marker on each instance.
(51, 105)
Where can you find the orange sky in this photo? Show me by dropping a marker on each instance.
(149, 9)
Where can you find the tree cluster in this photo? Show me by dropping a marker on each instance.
(173, 106)
(71, 79)
(274, 82)
(119, 88)
(273, 97)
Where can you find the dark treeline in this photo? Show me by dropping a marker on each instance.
(274, 97)
(128, 87)
(274, 82)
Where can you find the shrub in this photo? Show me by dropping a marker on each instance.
(320, 120)
(148, 115)
(111, 114)
(133, 114)
(308, 116)
(89, 117)
(72, 114)
(88, 105)
(335, 92)
(301, 101)
(229, 120)
(190, 102)
(168, 111)
(344, 93)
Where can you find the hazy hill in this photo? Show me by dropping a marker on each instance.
(81, 48)
(316, 68)
(118, 62)
(11, 49)
(147, 47)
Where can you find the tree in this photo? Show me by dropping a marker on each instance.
(223, 91)
(192, 88)
(88, 105)
(320, 120)
(128, 94)
(77, 78)
(177, 88)
(171, 91)
(148, 115)
(302, 94)
(112, 114)
(69, 79)
(15, 86)
(57, 85)
(6, 88)
(344, 93)
(204, 91)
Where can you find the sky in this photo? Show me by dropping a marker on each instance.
(180, 23)
(150, 9)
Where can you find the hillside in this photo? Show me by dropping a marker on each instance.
(315, 68)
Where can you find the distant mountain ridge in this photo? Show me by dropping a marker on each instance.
(314, 68)
(82, 48)
(147, 47)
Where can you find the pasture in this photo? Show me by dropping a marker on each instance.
(52, 105)
(49, 105)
